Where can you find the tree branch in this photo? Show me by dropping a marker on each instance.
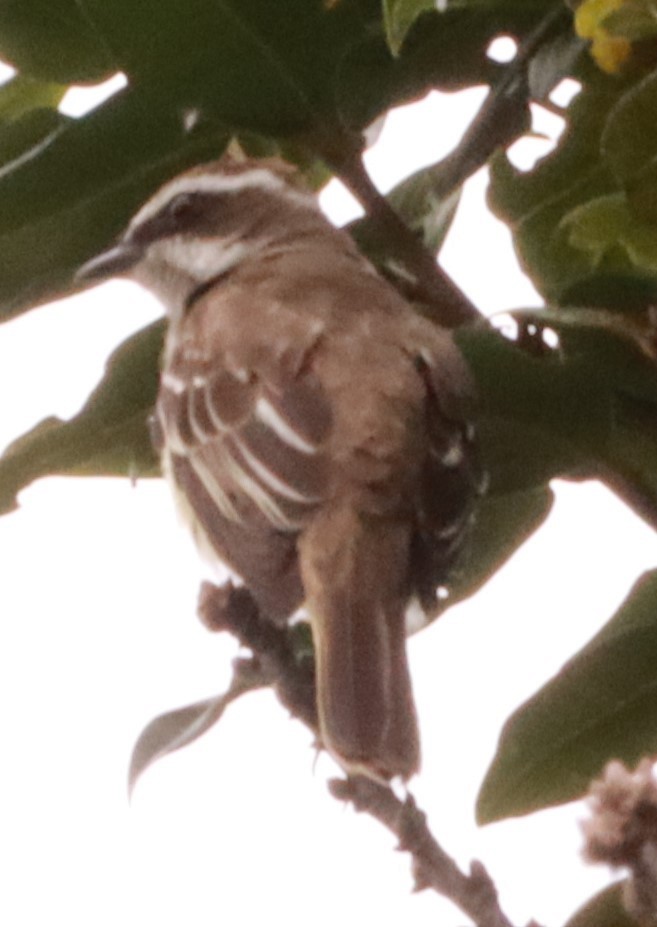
(474, 894)
(504, 114)
(429, 283)
(502, 118)
(290, 671)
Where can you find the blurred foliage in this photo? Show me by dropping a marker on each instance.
(571, 393)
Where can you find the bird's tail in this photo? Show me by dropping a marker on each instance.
(355, 574)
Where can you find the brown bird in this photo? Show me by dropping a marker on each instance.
(314, 428)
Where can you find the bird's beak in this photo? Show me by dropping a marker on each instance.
(117, 260)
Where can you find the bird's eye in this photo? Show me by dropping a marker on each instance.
(182, 206)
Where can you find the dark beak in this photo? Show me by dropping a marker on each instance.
(114, 262)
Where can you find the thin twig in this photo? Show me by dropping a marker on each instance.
(431, 284)
(342, 152)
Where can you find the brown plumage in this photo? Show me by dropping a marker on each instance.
(315, 427)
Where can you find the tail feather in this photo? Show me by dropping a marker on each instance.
(356, 593)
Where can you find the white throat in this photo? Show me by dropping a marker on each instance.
(204, 258)
(174, 267)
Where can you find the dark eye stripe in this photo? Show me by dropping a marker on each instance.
(185, 212)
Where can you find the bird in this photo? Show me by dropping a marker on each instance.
(316, 429)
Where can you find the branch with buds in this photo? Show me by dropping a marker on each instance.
(275, 662)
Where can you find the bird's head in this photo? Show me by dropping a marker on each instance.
(205, 222)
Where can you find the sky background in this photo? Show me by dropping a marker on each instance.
(99, 634)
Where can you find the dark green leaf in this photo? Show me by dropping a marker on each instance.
(255, 64)
(530, 428)
(602, 704)
(605, 909)
(635, 20)
(606, 230)
(535, 202)
(53, 40)
(503, 523)
(629, 143)
(77, 189)
(109, 436)
(28, 132)
(399, 16)
(28, 115)
(584, 410)
(22, 94)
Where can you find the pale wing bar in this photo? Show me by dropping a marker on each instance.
(251, 445)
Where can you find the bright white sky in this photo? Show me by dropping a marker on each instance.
(99, 634)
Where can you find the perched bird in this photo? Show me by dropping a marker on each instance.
(315, 430)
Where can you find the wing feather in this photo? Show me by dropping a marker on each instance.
(254, 437)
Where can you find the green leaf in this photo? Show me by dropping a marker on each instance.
(76, 189)
(502, 524)
(399, 16)
(535, 202)
(176, 729)
(583, 411)
(257, 65)
(606, 909)
(20, 95)
(605, 227)
(53, 40)
(109, 436)
(602, 704)
(629, 145)
(530, 428)
(635, 20)
(28, 132)
(28, 115)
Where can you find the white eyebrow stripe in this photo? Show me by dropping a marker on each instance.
(271, 417)
(273, 481)
(259, 178)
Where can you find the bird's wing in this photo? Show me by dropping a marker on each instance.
(244, 423)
